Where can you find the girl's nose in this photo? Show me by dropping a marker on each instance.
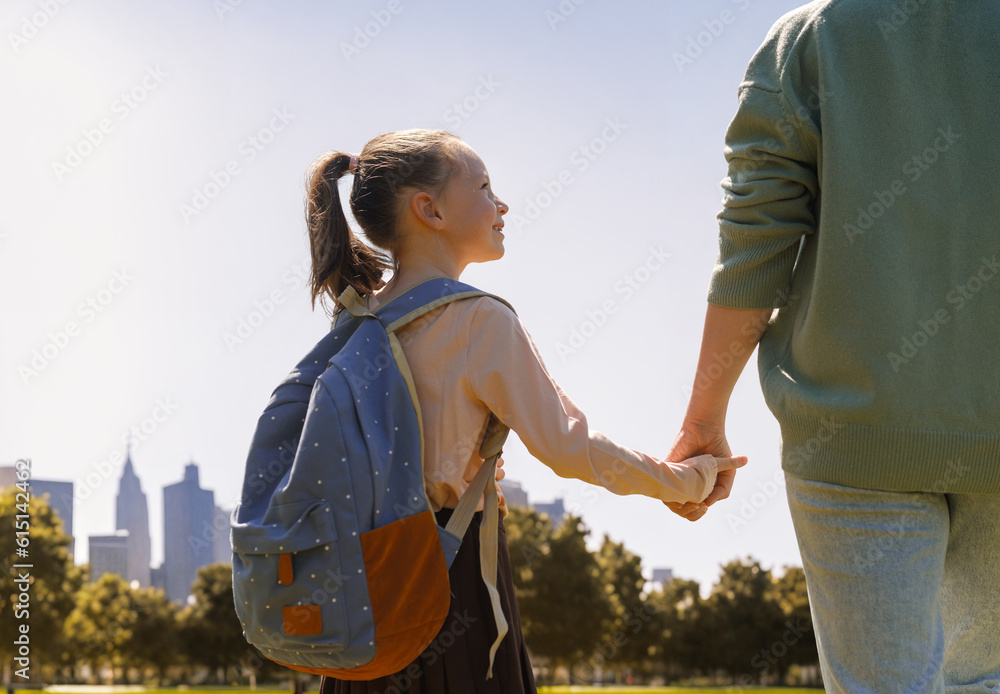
(502, 207)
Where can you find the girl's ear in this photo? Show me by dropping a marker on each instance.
(427, 210)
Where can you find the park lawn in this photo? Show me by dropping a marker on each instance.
(675, 690)
(125, 689)
(140, 689)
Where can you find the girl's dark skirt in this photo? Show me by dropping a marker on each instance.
(457, 659)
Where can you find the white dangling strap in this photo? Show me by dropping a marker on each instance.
(485, 484)
(489, 531)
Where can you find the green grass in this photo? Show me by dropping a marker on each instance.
(676, 690)
(140, 689)
(542, 690)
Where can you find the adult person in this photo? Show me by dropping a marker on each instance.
(861, 203)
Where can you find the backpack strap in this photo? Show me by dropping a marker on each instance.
(396, 314)
(489, 529)
(352, 303)
(417, 302)
(424, 298)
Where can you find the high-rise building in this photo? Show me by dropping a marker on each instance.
(663, 576)
(555, 510)
(158, 578)
(188, 511)
(109, 555)
(222, 551)
(8, 476)
(132, 514)
(515, 494)
(60, 496)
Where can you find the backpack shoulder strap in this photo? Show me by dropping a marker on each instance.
(399, 312)
(426, 297)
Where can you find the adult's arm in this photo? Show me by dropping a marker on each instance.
(769, 206)
(729, 338)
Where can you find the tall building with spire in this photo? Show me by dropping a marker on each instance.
(132, 514)
(188, 542)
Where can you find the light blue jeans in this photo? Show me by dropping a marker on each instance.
(904, 587)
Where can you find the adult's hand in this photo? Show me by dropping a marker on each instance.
(696, 438)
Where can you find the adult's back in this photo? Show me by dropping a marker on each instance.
(864, 160)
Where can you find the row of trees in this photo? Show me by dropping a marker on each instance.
(584, 614)
(587, 613)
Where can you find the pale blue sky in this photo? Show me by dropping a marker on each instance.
(174, 93)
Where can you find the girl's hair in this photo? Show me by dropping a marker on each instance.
(388, 166)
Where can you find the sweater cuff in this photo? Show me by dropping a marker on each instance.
(750, 279)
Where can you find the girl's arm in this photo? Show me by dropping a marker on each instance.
(506, 373)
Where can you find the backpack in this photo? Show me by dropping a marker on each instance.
(339, 566)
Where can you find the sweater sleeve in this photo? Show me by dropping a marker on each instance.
(506, 372)
(769, 200)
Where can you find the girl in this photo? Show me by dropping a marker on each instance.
(424, 197)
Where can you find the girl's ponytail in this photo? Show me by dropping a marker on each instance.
(339, 258)
(390, 167)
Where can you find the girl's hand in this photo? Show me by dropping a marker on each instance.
(696, 438)
(501, 500)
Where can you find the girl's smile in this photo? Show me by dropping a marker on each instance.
(472, 212)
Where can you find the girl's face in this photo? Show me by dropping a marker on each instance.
(473, 214)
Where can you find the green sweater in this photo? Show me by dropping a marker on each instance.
(861, 200)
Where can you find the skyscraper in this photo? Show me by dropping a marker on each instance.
(60, 496)
(108, 554)
(60, 499)
(663, 576)
(555, 510)
(132, 514)
(187, 511)
(222, 551)
(515, 494)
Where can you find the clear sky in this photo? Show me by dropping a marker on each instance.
(153, 249)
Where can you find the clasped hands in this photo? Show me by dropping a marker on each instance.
(699, 438)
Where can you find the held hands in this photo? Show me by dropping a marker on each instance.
(698, 438)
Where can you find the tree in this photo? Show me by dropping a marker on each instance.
(798, 637)
(528, 536)
(51, 580)
(628, 638)
(744, 618)
(156, 633)
(679, 610)
(211, 631)
(100, 624)
(566, 605)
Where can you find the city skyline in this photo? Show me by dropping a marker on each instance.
(197, 534)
